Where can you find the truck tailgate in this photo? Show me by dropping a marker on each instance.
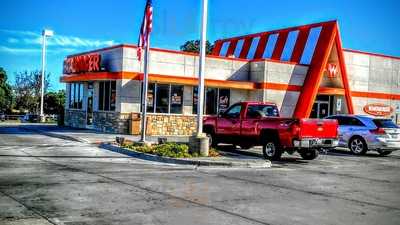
(318, 128)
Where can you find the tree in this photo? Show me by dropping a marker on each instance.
(5, 92)
(54, 102)
(193, 46)
(27, 90)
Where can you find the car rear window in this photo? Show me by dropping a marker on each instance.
(384, 123)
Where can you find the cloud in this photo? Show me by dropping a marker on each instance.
(78, 42)
(33, 38)
(19, 32)
(18, 51)
(12, 40)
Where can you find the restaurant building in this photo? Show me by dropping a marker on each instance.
(304, 70)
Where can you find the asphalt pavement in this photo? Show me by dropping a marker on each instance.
(48, 180)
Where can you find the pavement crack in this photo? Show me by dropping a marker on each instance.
(28, 207)
(304, 191)
(158, 192)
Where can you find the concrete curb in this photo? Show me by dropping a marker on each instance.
(195, 162)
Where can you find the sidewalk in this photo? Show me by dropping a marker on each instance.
(89, 136)
(227, 159)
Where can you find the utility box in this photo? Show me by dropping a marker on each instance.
(134, 124)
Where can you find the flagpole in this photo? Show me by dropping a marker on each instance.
(145, 88)
(202, 59)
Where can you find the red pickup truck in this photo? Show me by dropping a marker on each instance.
(249, 124)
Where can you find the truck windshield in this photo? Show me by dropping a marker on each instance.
(264, 110)
(385, 123)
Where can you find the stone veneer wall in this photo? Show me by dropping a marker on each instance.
(171, 125)
(111, 122)
(75, 118)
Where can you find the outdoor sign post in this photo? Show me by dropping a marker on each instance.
(201, 140)
(202, 59)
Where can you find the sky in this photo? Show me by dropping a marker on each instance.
(81, 25)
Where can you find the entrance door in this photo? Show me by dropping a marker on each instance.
(321, 107)
(89, 105)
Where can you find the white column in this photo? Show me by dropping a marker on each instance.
(202, 61)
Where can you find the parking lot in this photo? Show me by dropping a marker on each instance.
(46, 180)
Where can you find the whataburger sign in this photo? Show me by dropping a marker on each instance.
(82, 64)
(332, 70)
(378, 109)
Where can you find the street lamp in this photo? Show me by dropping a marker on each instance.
(45, 34)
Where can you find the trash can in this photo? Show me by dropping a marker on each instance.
(134, 124)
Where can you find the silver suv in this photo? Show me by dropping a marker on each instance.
(364, 133)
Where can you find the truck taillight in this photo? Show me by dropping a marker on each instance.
(378, 131)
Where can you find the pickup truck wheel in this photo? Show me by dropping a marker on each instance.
(384, 153)
(358, 146)
(271, 151)
(309, 154)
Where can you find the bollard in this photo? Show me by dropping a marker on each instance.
(200, 144)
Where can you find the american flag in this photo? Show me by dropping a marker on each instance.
(145, 30)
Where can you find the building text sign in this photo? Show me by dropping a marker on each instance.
(82, 64)
(378, 109)
(332, 70)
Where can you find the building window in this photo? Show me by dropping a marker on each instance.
(75, 95)
(176, 99)
(165, 98)
(107, 95)
(216, 100)
(162, 100)
(150, 97)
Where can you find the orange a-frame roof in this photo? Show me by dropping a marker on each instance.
(328, 39)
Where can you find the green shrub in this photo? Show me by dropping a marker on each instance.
(172, 150)
(139, 148)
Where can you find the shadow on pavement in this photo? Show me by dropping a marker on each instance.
(22, 128)
(347, 153)
(257, 153)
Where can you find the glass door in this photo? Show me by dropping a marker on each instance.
(321, 107)
(323, 110)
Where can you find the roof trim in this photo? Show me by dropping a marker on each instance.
(245, 85)
(372, 54)
(277, 31)
(157, 50)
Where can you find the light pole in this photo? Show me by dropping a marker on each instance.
(45, 34)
